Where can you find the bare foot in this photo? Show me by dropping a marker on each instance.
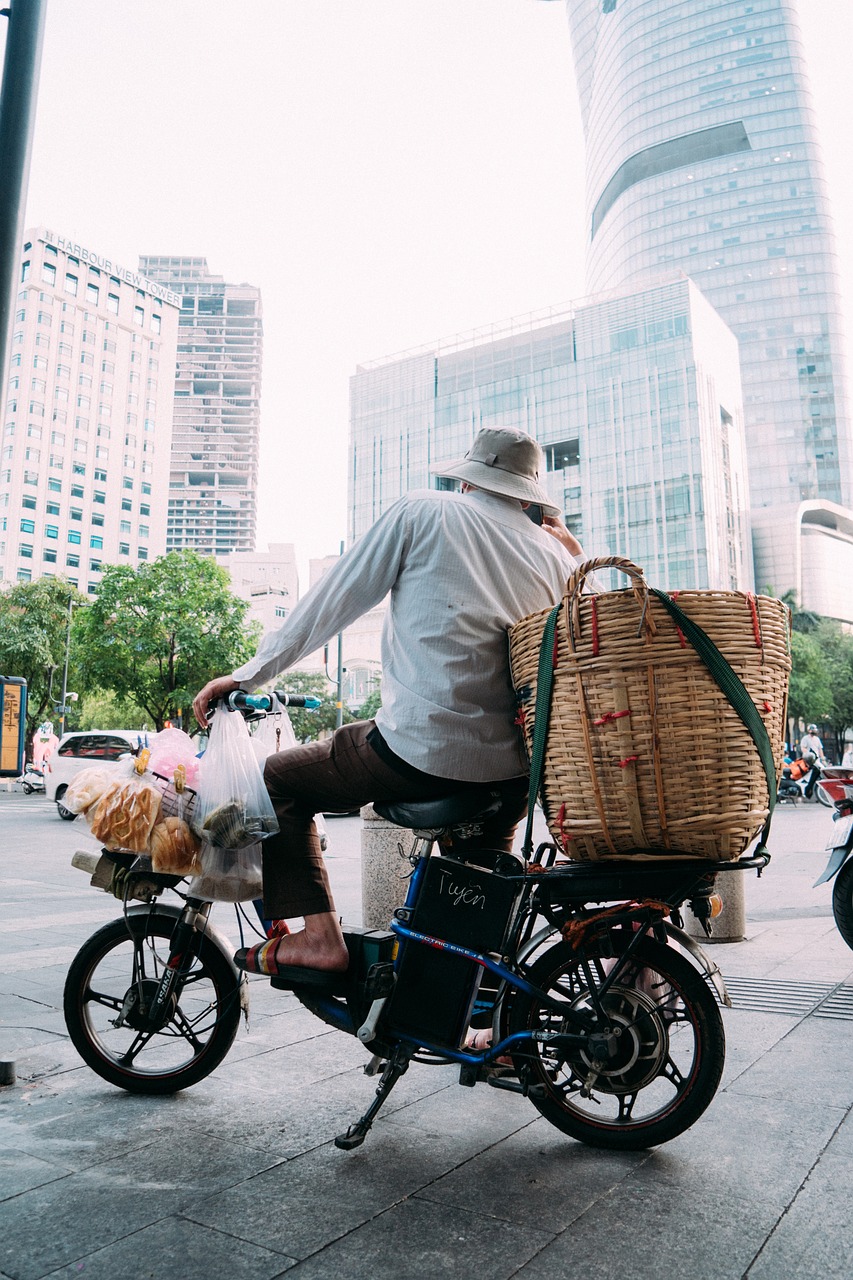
(320, 945)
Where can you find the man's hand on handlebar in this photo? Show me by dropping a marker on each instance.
(218, 688)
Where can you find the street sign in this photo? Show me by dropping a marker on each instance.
(13, 723)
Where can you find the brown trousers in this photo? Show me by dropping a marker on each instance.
(342, 773)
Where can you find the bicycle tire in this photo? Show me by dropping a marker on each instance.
(842, 902)
(205, 1012)
(661, 997)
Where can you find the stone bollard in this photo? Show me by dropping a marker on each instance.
(730, 924)
(384, 874)
(7, 1071)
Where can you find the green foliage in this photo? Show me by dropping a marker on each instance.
(370, 706)
(33, 628)
(308, 725)
(157, 633)
(810, 692)
(101, 709)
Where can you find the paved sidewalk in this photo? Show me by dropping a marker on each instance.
(238, 1176)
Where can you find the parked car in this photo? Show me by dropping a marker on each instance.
(81, 750)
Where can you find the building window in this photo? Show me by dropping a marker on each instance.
(100, 497)
(96, 541)
(45, 318)
(139, 315)
(48, 272)
(109, 345)
(28, 503)
(144, 508)
(112, 303)
(97, 520)
(25, 575)
(55, 486)
(124, 548)
(95, 566)
(25, 271)
(142, 553)
(51, 531)
(155, 324)
(92, 293)
(123, 527)
(76, 513)
(52, 508)
(79, 469)
(31, 477)
(100, 475)
(49, 555)
(25, 550)
(126, 504)
(57, 461)
(72, 561)
(560, 456)
(28, 526)
(127, 482)
(146, 488)
(71, 285)
(74, 537)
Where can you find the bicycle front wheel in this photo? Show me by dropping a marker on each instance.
(110, 1016)
(669, 1037)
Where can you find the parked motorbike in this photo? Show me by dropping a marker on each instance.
(800, 779)
(836, 788)
(33, 779)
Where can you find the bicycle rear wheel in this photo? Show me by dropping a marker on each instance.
(670, 1054)
(113, 979)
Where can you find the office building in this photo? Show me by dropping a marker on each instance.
(213, 484)
(635, 399)
(87, 421)
(269, 580)
(702, 155)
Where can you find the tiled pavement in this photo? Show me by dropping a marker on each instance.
(238, 1176)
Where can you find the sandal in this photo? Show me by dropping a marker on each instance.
(261, 959)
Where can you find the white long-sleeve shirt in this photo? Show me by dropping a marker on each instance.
(460, 568)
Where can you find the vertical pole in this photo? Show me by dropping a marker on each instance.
(63, 707)
(18, 93)
(339, 718)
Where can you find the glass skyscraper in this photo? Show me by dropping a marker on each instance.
(702, 155)
(213, 484)
(635, 399)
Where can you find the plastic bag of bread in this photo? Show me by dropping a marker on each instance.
(232, 808)
(87, 789)
(228, 875)
(125, 814)
(174, 849)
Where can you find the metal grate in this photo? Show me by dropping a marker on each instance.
(838, 1005)
(768, 995)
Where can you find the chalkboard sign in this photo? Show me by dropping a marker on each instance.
(13, 723)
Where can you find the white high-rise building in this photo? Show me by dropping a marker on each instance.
(213, 491)
(87, 418)
(702, 155)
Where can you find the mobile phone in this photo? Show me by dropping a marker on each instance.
(534, 512)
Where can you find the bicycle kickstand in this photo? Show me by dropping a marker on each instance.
(397, 1066)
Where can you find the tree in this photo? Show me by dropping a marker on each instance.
(837, 651)
(157, 633)
(308, 725)
(810, 690)
(102, 709)
(370, 706)
(33, 632)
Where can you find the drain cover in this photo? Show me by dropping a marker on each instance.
(794, 999)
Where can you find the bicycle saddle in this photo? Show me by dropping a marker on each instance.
(468, 805)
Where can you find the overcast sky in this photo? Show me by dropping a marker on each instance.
(387, 171)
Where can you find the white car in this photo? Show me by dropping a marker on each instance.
(81, 750)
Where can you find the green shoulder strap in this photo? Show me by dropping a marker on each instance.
(727, 680)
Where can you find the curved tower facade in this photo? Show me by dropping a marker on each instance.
(702, 155)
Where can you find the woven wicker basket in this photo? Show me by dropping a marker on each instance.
(645, 756)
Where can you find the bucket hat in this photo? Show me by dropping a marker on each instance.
(506, 461)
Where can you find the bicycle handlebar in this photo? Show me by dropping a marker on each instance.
(240, 701)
